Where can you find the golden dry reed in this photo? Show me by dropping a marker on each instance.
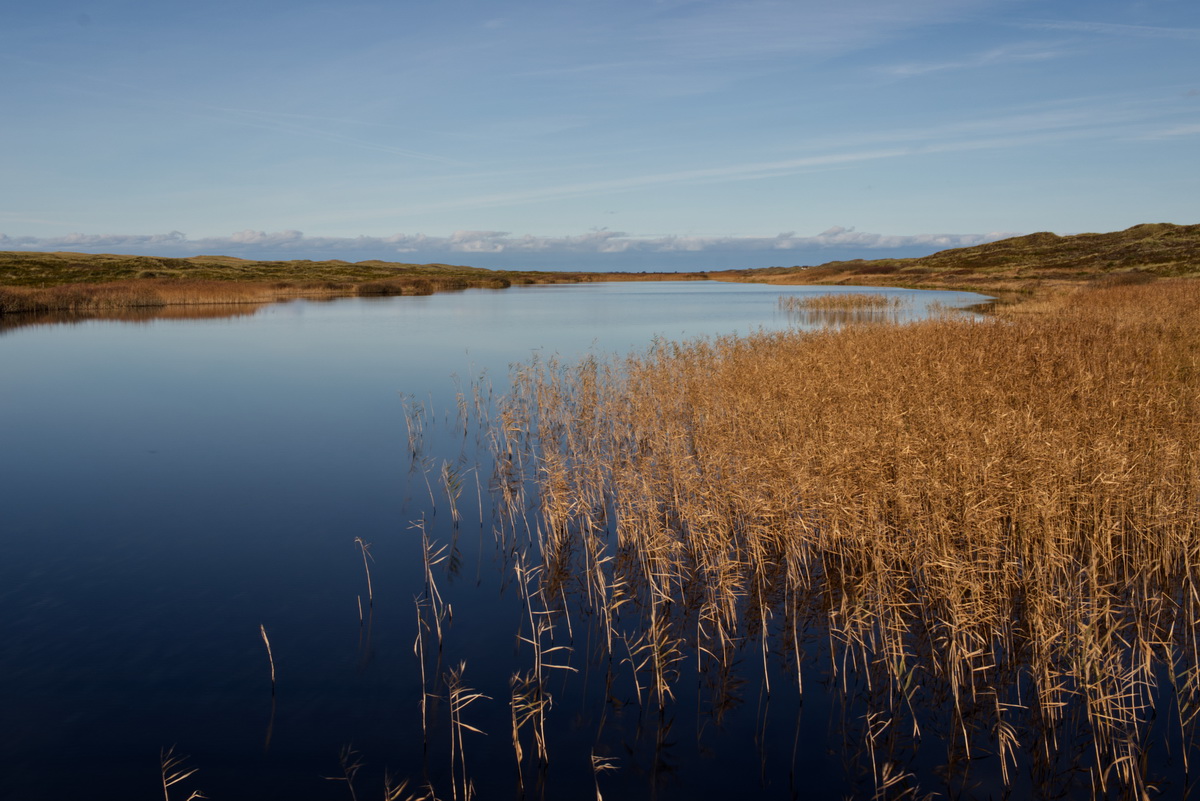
(835, 310)
(174, 770)
(122, 295)
(840, 301)
(998, 519)
(151, 293)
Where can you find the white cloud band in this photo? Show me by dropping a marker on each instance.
(404, 247)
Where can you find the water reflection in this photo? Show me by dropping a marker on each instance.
(146, 314)
(822, 318)
(181, 485)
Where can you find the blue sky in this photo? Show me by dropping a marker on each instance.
(595, 135)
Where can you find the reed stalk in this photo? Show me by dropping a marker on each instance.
(460, 697)
(365, 547)
(270, 658)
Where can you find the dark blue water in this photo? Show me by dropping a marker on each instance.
(170, 486)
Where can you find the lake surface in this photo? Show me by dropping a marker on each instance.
(170, 486)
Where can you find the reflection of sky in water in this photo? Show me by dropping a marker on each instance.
(171, 485)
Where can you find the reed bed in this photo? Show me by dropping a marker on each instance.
(144, 294)
(157, 293)
(841, 302)
(839, 310)
(994, 525)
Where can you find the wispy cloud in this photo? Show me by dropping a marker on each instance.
(1116, 29)
(1065, 121)
(705, 47)
(285, 124)
(990, 58)
(1179, 130)
(756, 29)
(733, 172)
(325, 128)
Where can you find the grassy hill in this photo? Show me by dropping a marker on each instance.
(1017, 265)
(56, 269)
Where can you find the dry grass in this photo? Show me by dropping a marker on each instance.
(998, 519)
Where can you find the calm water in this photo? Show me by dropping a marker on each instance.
(169, 486)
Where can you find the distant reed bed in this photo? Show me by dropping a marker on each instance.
(141, 294)
(841, 301)
(150, 293)
(995, 526)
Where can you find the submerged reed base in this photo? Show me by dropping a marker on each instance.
(994, 527)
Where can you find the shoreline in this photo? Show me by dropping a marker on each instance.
(146, 295)
(1023, 270)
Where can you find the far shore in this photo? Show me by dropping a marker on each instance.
(36, 287)
(64, 285)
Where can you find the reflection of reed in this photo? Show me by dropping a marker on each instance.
(819, 318)
(270, 727)
(117, 296)
(151, 292)
(993, 528)
(130, 315)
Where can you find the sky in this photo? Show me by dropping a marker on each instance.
(591, 134)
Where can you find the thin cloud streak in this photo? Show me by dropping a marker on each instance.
(282, 123)
(275, 122)
(1015, 130)
(736, 172)
(1114, 29)
(755, 30)
(989, 58)
(1170, 133)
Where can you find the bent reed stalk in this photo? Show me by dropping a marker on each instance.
(999, 518)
